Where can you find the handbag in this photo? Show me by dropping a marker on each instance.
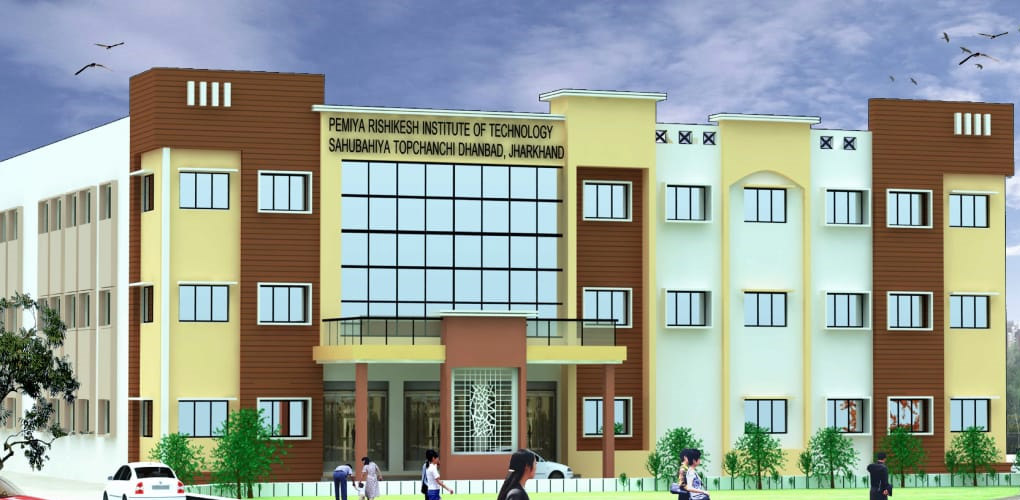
(424, 485)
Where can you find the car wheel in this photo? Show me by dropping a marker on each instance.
(556, 475)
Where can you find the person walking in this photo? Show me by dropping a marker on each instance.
(522, 468)
(694, 486)
(371, 476)
(340, 476)
(432, 481)
(880, 487)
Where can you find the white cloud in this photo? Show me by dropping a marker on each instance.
(1013, 192)
(1012, 251)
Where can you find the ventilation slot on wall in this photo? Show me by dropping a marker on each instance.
(972, 124)
(205, 98)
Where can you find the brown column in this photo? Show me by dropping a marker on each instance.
(360, 411)
(608, 421)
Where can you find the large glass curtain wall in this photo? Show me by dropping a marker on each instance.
(419, 238)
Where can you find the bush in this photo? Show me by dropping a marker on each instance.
(664, 462)
(184, 458)
(245, 452)
(760, 454)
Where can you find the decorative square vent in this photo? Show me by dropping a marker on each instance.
(708, 138)
(826, 142)
(660, 137)
(850, 143)
(686, 137)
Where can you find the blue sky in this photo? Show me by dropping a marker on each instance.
(813, 57)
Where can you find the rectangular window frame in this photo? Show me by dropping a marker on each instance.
(930, 320)
(145, 417)
(865, 207)
(628, 424)
(307, 417)
(212, 173)
(307, 306)
(628, 303)
(773, 400)
(930, 410)
(628, 193)
(865, 416)
(706, 301)
(105, 307)
(706, 204)
(211, 401)
(194, 314)
(866, 310)
(958, 425)
(758, 190)
(309, 179)
(147, 303)
(786, 308)
(148, 192)
(951, 308)
(964, 199)
(928, 216)
(106, 201)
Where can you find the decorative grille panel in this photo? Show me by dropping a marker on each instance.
(484, 410)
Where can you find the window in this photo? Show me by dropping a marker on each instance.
(201, 418)
(58, 215)
(967, 413)
(44, 217)
(82, 417)
(484, 410)
(764, 309)
(908, 209)
(910, 310)
(105, 298)
(912, 414)
(968, 311)
(825, 142)
(14, 226)
(846, 415)
(846, 310)
(284, 303)
(3, 227)
(145, 418)
(147, 299)
(106, 202)
(104, 417)
(285, 192)
(606, 201)
(85, 314)
(203, 303)
(607, 304)
(205, 190)
(286, 417)
(71, 316)
(769, 414)
(148, 192)
(845, 207)
(73, 219)
(968, 210)
(764, 205)
(622, 416)
(686, 203)
(87, 208)
(686, 308)
(10, 414)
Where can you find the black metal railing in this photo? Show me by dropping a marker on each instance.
(354, 331)
(587, 332)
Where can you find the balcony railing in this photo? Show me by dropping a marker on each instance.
(401, 330)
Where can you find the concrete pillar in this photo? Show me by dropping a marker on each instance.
(608, 421)
(360, 412)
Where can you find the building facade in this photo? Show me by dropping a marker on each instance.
(476, 282)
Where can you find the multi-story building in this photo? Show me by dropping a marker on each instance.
(476, 282)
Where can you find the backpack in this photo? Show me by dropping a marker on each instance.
(424, 485)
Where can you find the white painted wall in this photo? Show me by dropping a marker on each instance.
(841, 364)
(688, 256)
(87, 159)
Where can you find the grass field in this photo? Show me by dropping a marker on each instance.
(990, 493)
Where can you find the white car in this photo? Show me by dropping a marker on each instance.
(144, 480)
(545, 469)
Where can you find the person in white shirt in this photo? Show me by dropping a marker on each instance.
(340, 476)
(432, 481)
(360, 488)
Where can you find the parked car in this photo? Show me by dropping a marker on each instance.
(10, 492)
(545, 469)
(144, 480)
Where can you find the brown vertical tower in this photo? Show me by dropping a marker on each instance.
(268, 119)
(915, 143)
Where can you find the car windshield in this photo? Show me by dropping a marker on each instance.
(8, 489)
(147, 472)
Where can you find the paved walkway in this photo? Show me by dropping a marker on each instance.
(53, 488)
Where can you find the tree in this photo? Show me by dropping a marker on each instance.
(731, 465)
(759, 452)
(183, 457)
(832, 453)
(952, 465)
(664, 461)
(806, 464)
(975, 450)
(905, 453)
(29, 367)
(245, 451)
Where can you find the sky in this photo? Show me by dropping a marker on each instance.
(796, 57)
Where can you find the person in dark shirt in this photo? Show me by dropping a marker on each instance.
(880, 487)
(522, 468)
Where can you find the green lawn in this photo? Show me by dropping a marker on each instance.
(813, 494)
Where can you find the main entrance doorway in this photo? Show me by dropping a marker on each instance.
(421, 426)
(541, 419)
(339, 432)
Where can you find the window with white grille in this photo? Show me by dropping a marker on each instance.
(484, 410)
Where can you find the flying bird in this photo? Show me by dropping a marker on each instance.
(965, 49)
(108, 47)
(92, 65)
(993, 36)
(891, 79)
(980, 66)
(945, 36)
(913, 81)
(978, 54)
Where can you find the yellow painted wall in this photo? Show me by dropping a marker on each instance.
(783, 148)
(975, 262)
(205, 245)
(149, 345)
(612, 133)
